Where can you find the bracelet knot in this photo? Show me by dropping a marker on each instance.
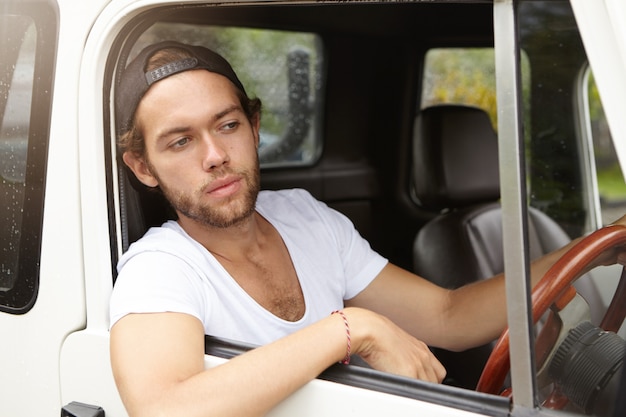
(346, 359)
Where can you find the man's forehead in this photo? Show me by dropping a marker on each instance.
(214, 91)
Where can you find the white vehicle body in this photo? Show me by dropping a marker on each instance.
(57, 352)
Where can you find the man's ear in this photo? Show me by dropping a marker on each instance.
(140, 168)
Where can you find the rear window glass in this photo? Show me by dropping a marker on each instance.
(460, 76)
(465, 76)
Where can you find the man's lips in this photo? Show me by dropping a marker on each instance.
(223, 186)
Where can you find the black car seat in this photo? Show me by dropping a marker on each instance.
(455, 173)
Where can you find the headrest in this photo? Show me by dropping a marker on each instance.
(455, 157)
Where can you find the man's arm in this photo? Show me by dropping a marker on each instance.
(158, 363)
(452, 319)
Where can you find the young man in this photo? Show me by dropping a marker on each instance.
(268, 268)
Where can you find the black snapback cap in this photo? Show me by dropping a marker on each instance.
(135, 80)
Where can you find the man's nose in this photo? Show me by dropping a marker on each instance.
(214, 153)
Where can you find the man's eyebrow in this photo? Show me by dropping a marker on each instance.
(227, 111)
(173, 131)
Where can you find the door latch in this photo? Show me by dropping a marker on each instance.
(76, 409)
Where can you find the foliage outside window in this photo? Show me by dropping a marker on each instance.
(460, 76)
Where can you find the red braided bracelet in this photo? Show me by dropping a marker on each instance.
(346, 359)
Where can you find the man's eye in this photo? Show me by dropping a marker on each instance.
(230, 125)
(180, 142)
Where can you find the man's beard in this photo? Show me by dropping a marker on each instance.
(229, 213)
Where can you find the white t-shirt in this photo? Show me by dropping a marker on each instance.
(168, 271)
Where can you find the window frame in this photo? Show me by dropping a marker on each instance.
(602, 210)
(514, 205)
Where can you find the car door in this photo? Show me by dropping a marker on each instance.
(41, 298)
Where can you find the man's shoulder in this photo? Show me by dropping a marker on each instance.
(169, 238)
(167, 232)
(291, 200)
(295, 207)
(292, 194)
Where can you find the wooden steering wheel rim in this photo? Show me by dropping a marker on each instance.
(554, 285)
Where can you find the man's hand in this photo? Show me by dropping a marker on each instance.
(386, 347)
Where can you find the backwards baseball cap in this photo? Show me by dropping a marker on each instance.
(135, 80)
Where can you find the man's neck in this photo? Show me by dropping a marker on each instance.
(256, 257)
(233, 242)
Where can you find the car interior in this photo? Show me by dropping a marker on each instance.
(420, 184)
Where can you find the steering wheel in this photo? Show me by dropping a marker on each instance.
(555, 290)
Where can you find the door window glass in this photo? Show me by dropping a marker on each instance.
(17, 73)
(611, 185)
(27, 49)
